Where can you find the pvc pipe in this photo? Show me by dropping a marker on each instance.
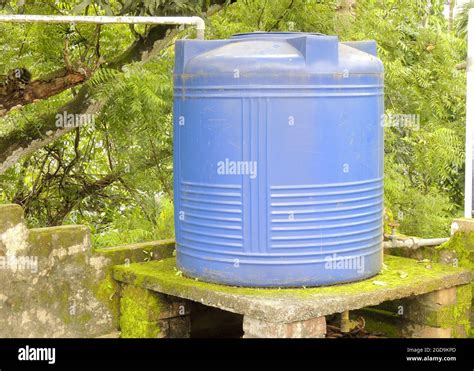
(469, 116)
(414, 243)
(31, 18)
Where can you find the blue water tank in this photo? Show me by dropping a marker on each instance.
(278, 159)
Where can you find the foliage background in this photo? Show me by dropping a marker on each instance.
(132, 136)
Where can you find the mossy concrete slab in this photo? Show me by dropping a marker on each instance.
(144, 251)
(400, 278)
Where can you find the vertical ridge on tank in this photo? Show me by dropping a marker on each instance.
(278, 159)
(317, 49)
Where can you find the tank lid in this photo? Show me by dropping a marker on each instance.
(274, 58)
(281, 34)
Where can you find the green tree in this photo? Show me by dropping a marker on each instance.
(117, 177)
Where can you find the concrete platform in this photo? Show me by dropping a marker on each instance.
(401, 278)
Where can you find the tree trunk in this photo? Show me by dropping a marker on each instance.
(42, 88)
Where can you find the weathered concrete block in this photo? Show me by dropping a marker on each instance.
(13, 231)
(443, 309)
(138, 252)
(462, 224)
(447, 309)
(10, 216)
(53, 284)
(144, 314)
(440, 297)
(59, 242)
(312, 328)
(50, 296)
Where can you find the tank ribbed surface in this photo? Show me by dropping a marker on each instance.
(278, 160)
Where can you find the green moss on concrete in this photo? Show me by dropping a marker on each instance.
(464, 295)
(462, 244)
(69, 278)
(449, 316)
(402, 278)
(460, 247)
(463, 310)
(148, 246)
(57, 299)
(424, 311)
(140, 311)
(107, 290)
(141, 303)
(164, 272)
(138, 329)
(138, 252)
(44, 240)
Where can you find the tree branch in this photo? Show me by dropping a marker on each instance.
(89, 189)
(23, 141)
(43, 88)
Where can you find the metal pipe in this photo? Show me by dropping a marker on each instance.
(346, 324)
(414, 243)
(469, 116)
(32, 18)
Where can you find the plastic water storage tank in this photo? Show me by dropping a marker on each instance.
(278, 159)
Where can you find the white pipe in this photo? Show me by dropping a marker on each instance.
(414, 243)
(469, 116)
(31, 18)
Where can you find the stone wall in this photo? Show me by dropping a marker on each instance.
(54, 284)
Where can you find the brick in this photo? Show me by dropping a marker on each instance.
(178, 327)
(312, 328)
(442, 297)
